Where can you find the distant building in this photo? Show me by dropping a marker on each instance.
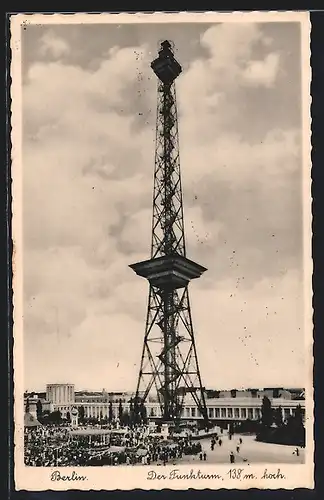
(222, 406)
(60, 394)
(32, 401)
(103, 397)
(270, 392)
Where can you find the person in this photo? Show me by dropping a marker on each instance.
(240, 440)
(200, 456)
(220, 442)
(238, 449)
(232, 458)
(205, 456)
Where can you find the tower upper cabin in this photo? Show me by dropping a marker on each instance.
(165, 66)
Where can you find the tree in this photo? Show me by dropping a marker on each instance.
(55, 417)
(266, 412)
(277, 416)
(81, 413)
(137, 414)
(110, 412)
(120, 411)
(299, 416)
(298, 427)
(131, 413)
(143, 413)
(39, 409)
(125, 418)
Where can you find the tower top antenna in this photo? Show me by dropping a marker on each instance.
(167, 45)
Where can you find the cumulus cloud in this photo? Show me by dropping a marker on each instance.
(262, 72)
(88, 174)
(52, 45)
(250, 328)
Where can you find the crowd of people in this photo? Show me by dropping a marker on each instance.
(55, 445)
(152, 451)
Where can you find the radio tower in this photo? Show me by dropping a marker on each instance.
(169, 364)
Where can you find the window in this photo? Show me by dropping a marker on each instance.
(211, 412)
(258, 413)
(216, 412)
(243, 412)
(287, 412)
(250, 413)
(230, 412)
(193, 412)
(223, 412)
(236, 412)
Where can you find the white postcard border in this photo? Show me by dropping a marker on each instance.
(109, 478)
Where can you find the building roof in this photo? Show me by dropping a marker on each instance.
(89, 432)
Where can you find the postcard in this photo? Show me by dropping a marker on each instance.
(162, 288)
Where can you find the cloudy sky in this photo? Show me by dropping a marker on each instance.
(89, 101)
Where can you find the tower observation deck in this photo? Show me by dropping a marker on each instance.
(169, 364)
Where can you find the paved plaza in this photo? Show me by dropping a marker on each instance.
(251, 452)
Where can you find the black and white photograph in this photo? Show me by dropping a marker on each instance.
(161, 174)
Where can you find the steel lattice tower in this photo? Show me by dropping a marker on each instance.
(169, 364)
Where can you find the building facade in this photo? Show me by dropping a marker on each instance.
(219, 410)
(227, 406)
(60, 394)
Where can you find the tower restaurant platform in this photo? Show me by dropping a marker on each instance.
(170, 271)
